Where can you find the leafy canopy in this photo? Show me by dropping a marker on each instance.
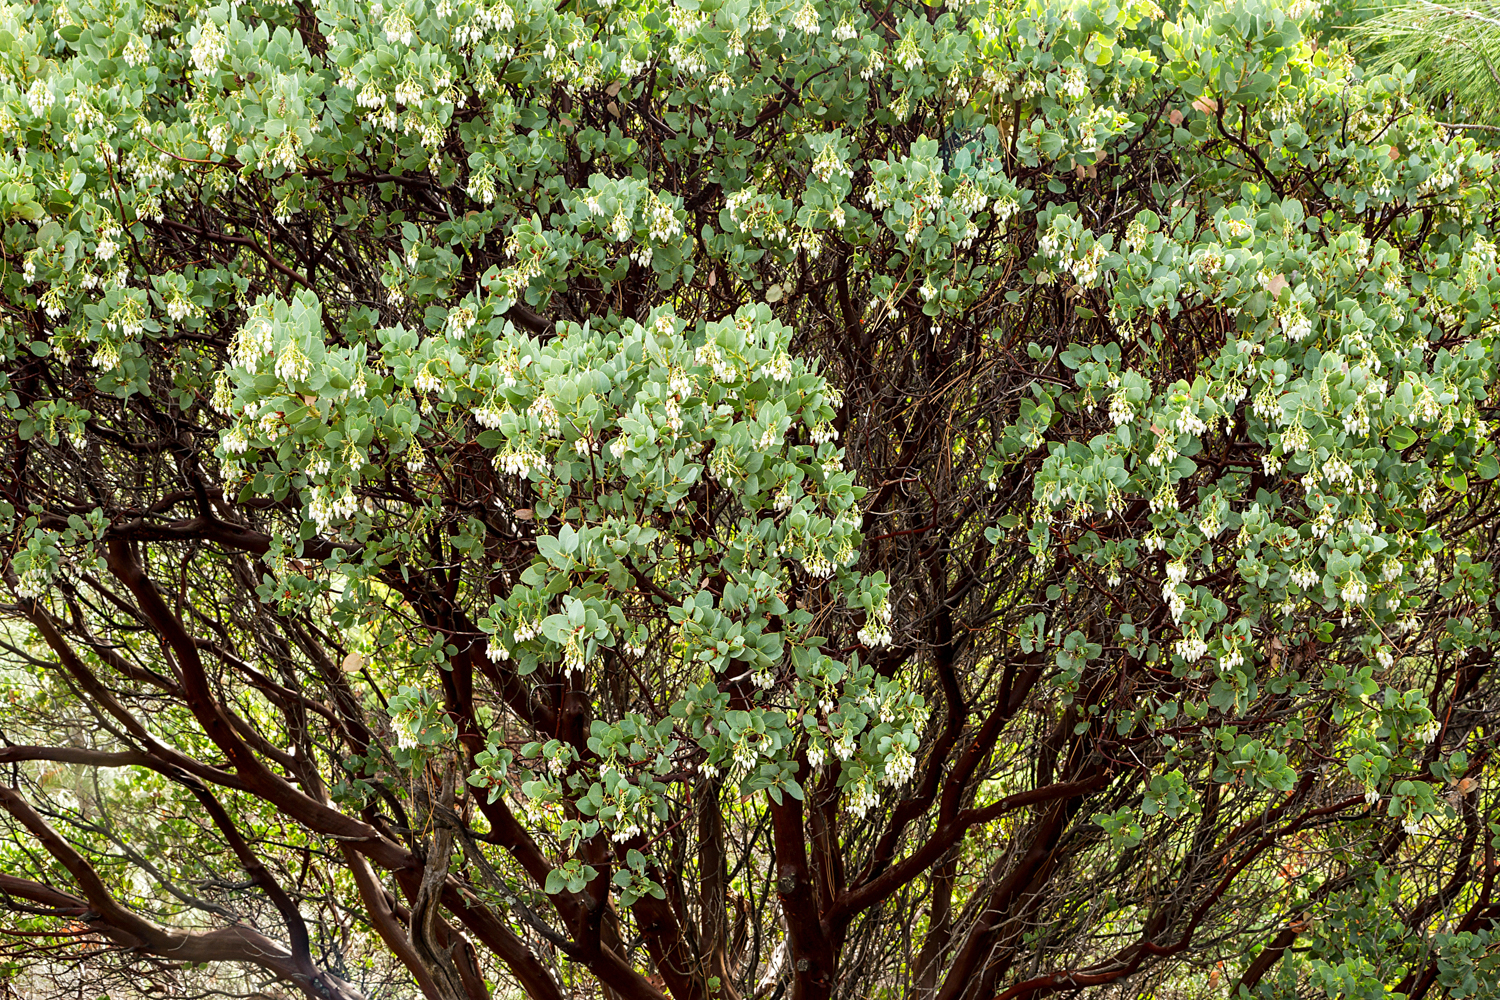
(706, 498)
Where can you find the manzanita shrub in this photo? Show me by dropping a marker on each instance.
(734, 498)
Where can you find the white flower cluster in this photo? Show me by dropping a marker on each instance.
(1267, 405)
(128, 319)
(1188, 422)
(709, 356)
(526, 629)
(520, 460)
(1075, 83)
(272, 423)
(401, 725)
(398, 27)
(815, 563)
(1479, 264)
(52, 303)
(107, 246)
(900, 765)
(806, 19)
(1057, 242)
(426, 380)
(736, 202)
(876, 632)
(222, 399)
(573, 651)
(829, 163)
(287, 150)
(528, 265)
(1176, 571)
(662, 221)
(1294, 323)
(722, 465)
(908, 52)
(251, 343)
(862, 796)
(1003, 208)
(292, 364)
(770, 438)
(1165, 498)
(1295, 439)
(460, 321)
(1441, 179)
(687, 60)
(817, 752)
(491, 412)
(721, 84)
(137, 51)
(35, 580)
(180, 307)
(684, 22)
(626, 826)
(1088, 267)
(1357, 419)
(326, 511)
(1336, 472)
(746, 751)
(208, 50)
(1165, 452)
(777, 368)
(408, 91)
(1176, 603)
(485, 22)
(969, 199)
(1191, 647)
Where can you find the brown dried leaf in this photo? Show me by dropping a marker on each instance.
(353, 663)
(1207, 105)
(1175, 117)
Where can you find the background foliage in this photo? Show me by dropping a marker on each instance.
(726, 499)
